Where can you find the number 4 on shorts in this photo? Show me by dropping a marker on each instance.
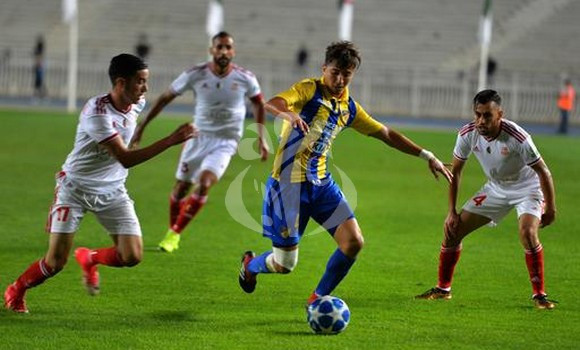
(479, 199)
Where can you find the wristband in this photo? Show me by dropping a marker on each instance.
(426, 155)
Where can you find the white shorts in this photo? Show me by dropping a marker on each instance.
(115, 210)
(495, 204)
(205, 152)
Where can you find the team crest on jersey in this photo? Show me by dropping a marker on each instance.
(205, 86)
(504, 151)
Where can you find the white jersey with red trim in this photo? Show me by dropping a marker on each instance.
(89, 166)
(506, 159)
(220, 106)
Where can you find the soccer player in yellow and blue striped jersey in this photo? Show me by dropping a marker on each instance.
(300, 186)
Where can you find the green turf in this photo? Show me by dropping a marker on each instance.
(191, 299)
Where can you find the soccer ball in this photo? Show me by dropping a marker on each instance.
(328, 315)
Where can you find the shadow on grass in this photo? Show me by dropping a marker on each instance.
(295, 333)
(154, 249)
(173, 316)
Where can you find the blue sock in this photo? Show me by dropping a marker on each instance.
(337, 267)
(258, 264)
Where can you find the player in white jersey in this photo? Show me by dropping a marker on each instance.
(517, 178)
(220, 89)
(93, 179)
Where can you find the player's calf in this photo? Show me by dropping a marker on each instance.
(131, 259)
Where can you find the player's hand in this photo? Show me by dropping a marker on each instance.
(264, 149)
(436, 166)
(548, 217)
(183, 132)
(295, 121)
(451, 224)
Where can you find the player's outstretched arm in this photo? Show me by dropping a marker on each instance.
(131, 157)
(260, 116)
(547, 185)
(158, 106)
(278, 108)
(403, 144)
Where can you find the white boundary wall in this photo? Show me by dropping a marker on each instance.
(529, 97)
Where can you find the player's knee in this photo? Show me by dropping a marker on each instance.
(285, 260)
(358, 243)
(529, 236)
(354, 245)
(528, 232)
(206, 181)
(452, 239)
(56, 262)
(206, 184)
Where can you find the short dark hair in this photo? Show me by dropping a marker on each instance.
(486, 96)
(222, 34)
(344, 53)
(125, 66)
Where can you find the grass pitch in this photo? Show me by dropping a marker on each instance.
(191, 299)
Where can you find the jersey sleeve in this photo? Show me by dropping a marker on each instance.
(529, 153)
(99, 127)
(253, 87)
(462, 148)
(182, 83)
(299, 94)
(364, 123)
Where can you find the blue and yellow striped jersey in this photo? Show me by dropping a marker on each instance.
(302, 157)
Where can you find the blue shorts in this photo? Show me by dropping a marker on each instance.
(288, 207)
